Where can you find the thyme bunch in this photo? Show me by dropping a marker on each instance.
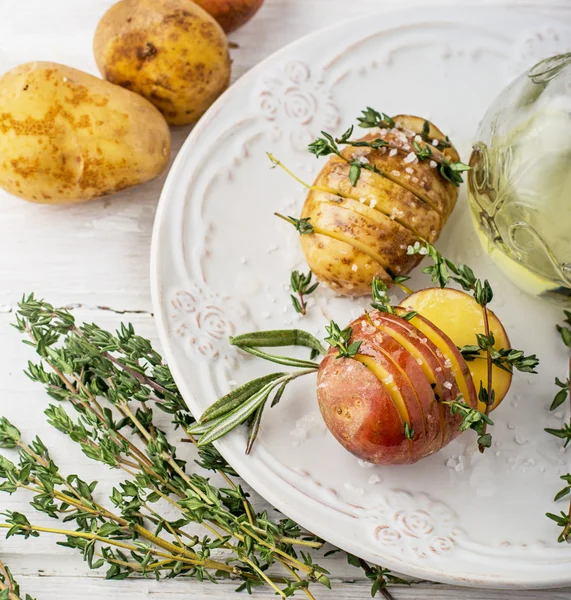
(115, 383)
(563, 519)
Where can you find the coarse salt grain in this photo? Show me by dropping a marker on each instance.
(363, 160)
(354, 267)
(373, 203)
(433, 164)
(393, 152)
(415, 179)
(362, 200)
(409, 158)
(423, 251)
(417, 139)
(438, 369)
(388, 379)
(435, 142)
(447, 385)
(448, 363)
(395, 173)
(419, 361)
(409, 170)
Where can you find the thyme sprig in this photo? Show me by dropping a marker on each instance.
(373, 118)
(9, 588)
(341, 340)
(472, 418)
(563, 519)
(300, 284)
(327, 145)
(442, 271)
(381, 300)
(508, 360)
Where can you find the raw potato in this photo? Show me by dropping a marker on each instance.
(67, 136)
(231, 14)
(364, 231)
(172, 52)
(398, 381)
(461, 317)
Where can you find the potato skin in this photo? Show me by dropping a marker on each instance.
(385, 212)
(231, 14)
(172, 52)
(67, 136)
(359, 410)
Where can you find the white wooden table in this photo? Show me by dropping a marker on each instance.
(95, 257)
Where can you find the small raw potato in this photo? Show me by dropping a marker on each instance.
(172, 52)
(387, 405)
(67, 136)
(461, 318)
(231, 14)
(370, 224)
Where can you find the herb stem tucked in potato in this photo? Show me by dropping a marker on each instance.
(67, 136)
(172, 52)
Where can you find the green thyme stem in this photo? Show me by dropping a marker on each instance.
(491, 399)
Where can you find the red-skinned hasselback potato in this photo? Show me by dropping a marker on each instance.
(387, 404)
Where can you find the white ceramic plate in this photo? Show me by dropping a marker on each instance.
(221, 265)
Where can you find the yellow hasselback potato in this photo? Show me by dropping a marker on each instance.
(172, 52)
(66, 136)
(363, 231)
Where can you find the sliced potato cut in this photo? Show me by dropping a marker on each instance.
(384, 196)
(344, 268)
(434, 365)
(368, 230)
(419, 178)
(450, 355)
(459, 316)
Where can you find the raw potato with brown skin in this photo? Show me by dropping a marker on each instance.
(172, 52)
(398, 377)
(231, 14)
(66, 136)
(364, 231)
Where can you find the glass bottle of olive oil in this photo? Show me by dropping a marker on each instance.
(520, 182)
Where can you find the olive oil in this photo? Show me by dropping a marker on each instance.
(520, 183)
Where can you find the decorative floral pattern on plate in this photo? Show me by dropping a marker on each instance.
(296, 102)
(417, 523)
(201, 318)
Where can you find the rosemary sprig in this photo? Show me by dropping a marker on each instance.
(9, 588)
(563, 519)
(301, 285)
